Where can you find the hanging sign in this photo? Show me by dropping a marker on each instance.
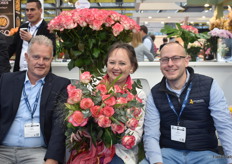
(81, 4)
(7, 13)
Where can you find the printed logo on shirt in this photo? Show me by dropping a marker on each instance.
(191, 101)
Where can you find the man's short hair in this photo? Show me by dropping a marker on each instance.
(152, 37)
(165, 39)
(38, 3)
(41, 40)
(144, 29)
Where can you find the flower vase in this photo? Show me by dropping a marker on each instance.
(223, 51)
(219, 50)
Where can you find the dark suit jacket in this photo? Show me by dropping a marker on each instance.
(54, 94)
(16, 46)
(4, 57)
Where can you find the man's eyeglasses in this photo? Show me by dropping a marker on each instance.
(175, 59)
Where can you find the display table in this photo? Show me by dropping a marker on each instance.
(220, 71)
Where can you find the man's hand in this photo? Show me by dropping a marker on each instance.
(24, 35)
(51, 161)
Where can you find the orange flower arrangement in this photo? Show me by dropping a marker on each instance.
(13, 31)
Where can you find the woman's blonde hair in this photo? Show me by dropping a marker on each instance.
(136, 39)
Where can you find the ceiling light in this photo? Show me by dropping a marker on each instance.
(206, 5)
(169, 17)
(149, 17)
(145, 22)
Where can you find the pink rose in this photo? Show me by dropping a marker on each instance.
(110, 101)
(102, 88)
(77, 119)
(74, 95)
(71, 87)
(135, 111)
(109, 21)
(96, 111)
(117, 89)
(118, 128)
(86, 103)
(85, 77)
(107, 111)
(97, 25)
(132, 123)
(103, 121)
(130, 96)
(128, 141)
(121, 100)
(117, 28)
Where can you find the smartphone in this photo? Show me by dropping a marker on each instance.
(24, 29)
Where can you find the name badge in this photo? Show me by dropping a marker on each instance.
(32, 130)
(178, 133)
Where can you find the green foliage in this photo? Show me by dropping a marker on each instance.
(87, 49)
(185, 35)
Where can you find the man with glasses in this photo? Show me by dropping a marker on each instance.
(182, 113)
(35, 26)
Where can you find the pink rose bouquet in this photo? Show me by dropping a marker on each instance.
(190, 28)
(102, 114)
(86, 34)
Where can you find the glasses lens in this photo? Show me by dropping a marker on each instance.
(164, 60)
(175, 59)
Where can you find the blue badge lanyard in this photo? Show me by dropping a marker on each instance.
(183, 105)
(35, 103)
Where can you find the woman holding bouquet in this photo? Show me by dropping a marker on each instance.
(111, 109)
(121, 60)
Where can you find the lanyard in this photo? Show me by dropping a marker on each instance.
(183, 105)
(35, 103)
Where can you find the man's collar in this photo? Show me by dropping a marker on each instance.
(37, 25)
(27, 79)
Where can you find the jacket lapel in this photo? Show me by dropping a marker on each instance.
(41, 28)
(44, 98)
(18, 87)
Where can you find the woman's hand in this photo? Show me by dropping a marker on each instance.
(77, 136)
(50, 161)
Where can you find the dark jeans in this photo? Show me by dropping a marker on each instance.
(116, 160)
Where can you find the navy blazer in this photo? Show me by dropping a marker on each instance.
(54, 93)
(16, 46)
(4, 57)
